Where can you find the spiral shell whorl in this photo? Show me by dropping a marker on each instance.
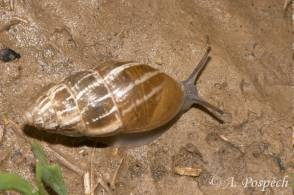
(56, 109)
(115, 97)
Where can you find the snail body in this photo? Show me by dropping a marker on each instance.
(116, 97)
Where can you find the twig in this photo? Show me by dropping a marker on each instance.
(112, 183)
(89, 178)
(286, 4)
(89, 186)
(95, 187)
(100, 181)
(67, 163)
(91, 171)
(230, 143)
(11, 5)
(292, 136)
(14, 21)
(20, 19)
(87, 183)
(103, 184)
(91, 190)
(1, 132)
(7, 26)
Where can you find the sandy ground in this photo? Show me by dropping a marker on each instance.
(249, 76)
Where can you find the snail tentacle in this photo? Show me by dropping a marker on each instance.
(191, 96)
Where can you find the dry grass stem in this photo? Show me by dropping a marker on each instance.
(286, 4)
(64, 161)
(112, 183)
(1, 132)
(91, 171)
(87, 183)
(14, 21)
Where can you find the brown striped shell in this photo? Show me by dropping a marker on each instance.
(115, 97)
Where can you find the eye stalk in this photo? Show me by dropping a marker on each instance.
(191, 93)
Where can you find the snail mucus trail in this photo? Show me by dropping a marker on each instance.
(115, 99)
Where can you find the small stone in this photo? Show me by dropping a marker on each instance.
(7, 55)
(158, 61)
(188, 171)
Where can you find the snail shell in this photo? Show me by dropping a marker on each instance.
(115, 97)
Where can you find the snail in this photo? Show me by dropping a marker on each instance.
(116, 98)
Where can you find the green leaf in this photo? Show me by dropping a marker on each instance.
(52, 176)
(39, 179)
(39, 153)
(10, 181)
(41, 160)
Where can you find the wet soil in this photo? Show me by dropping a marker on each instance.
(249, 76)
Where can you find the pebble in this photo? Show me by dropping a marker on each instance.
(7, 55)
